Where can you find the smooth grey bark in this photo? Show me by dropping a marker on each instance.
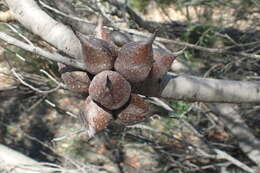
(191, 88)
(48, 55)
(28, 13)
(19, 163)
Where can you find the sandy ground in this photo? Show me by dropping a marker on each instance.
(224, 15)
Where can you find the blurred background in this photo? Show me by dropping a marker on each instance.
(44, 126)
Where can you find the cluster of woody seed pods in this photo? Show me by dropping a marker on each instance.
(114, 77)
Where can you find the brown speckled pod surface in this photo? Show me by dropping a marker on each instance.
(93, 117)
(162, 64)
(135, 60)
(77, 81)
(99, 55)
(110, 89)
(137, 111)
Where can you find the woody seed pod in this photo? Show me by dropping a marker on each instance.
(163, 62)
(110, 89)
(99, 55)
(151, 86)
(135, 60)
(77, 81)
(94, 118)
(137, 111)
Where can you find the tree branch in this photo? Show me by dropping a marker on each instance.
(178, 87)
(28, 13)
(17, 162)
(191, 88)
(249, 144)
(182, 87)
(193, 46)
(47, 55)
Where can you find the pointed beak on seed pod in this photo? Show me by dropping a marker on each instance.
(135, 112)
(94, 118)
(110, 89)
(151, 86)
(77, 81)
(98, 54)
(102, 33)
(135, 60)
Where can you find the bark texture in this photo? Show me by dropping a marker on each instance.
(28, 13)
(191, 88)
(13, 161)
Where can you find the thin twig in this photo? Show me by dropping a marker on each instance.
(21, 35)
(55, 106)
(36, 50)
(220, 154)
(70, 135)
(224, 155)
(19, 77)
(35, 104)
(192, 46)
(63, 14)
(52, 78)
